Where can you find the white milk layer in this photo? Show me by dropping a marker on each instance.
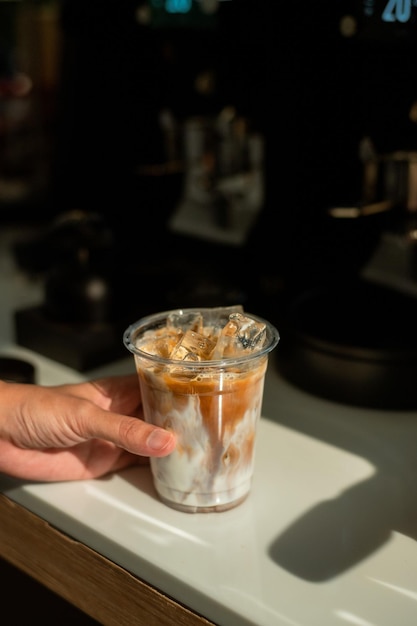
(212, 465)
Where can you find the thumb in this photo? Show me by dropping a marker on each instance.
(131, 434)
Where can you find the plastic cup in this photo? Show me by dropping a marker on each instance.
(213, 406)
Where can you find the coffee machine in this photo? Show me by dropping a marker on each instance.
(348, 333)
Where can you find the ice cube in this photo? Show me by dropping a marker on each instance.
(240, 334)
(217, 317)
(165, 344)
(250, 333)
(185, 320)
(225, 347)
(193, 347)
(161, 345)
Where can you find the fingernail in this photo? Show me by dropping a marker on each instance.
(159, 439)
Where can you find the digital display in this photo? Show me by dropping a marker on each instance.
(391, 11)
(390, 20)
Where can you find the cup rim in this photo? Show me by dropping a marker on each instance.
(148, 320)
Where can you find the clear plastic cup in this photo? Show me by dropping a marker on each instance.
(201, 374)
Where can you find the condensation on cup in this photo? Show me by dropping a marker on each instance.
(201, 374)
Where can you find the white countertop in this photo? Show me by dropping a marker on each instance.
(326, 538)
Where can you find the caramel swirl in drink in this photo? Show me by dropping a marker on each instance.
(201, 374)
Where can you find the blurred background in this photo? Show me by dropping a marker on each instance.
(216, 120)
(103, 106)
(190, 152)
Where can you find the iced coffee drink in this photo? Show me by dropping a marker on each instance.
(201, 375)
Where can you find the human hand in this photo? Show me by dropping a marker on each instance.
(76, 431)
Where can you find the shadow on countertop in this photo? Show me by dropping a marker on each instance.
(336, 534)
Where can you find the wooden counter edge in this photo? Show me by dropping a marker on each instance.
(89, 581)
